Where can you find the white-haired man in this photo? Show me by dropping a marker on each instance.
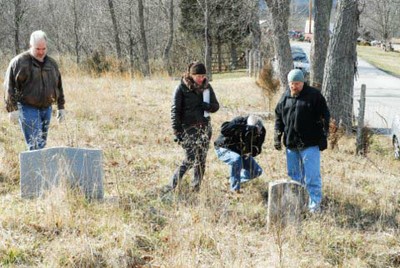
(240, 141)
(32, 84)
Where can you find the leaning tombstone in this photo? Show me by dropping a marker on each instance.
(287, 201)
(45, 169)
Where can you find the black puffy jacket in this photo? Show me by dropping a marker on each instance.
(187, 107)
(236, 137)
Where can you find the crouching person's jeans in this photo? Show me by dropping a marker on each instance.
(242, 168)
(35, 124)
(303, 166)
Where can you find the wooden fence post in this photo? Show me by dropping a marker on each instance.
(360, 146)
(250, 63)
(257, 63)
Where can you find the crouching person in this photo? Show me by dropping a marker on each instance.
(240, 141)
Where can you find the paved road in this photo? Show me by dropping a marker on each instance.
(382, 93)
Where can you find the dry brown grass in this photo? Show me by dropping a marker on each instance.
(137, 227)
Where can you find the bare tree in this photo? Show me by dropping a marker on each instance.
(73, 26)
(254, 54)
(320, 42)
(382, 17)
(19, 13)
(143, 40)
(132, 40)
(255, 28)
(77, 22)
(115, 27)
(80, 28)
(207, 37)
(341, 63)
(52, 11)
(279, 10)
(170, 17)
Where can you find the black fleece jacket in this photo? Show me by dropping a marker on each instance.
(235, 136)
(303, 120)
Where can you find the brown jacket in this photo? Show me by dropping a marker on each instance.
(33, 83)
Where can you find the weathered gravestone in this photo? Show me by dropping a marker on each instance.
(81, 169)
(287, 201)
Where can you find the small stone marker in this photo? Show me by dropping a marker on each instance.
(44, 169)
(287, 200)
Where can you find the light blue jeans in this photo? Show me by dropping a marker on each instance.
(34, 123)
(303, 166)
(241, 168)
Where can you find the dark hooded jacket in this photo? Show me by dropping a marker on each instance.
(304, 119)
(237, 136)
(187, 105)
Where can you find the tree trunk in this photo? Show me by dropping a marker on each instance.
(18, 14)
(341, 63)
(320, 42)
(280, 16)
(219, 54)
(234, 57)
(131, 42)
(255, 28)
(168, 46)
(207, 36)
(76, 32)
(52, 13)
(146, 67)
(115, 26)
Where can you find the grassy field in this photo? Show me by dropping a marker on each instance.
(136, 226)
(386, 61)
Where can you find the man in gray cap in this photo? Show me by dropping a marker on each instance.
(302, 118)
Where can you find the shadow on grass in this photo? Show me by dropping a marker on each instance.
(350, 215)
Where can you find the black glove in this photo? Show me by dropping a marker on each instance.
(323, 144)
(206, 106)
(277, 140)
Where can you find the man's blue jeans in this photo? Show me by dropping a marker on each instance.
(242, 168)
(34, 123)
(303, 166)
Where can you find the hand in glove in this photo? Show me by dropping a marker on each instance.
(206, 106)
(61, 115)
(178, 137)
(277, 140)
(323, 144)
(14, 116)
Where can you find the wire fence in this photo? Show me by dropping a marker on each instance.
(380, 110)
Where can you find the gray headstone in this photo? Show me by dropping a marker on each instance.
(287, 201)
(82, 169)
